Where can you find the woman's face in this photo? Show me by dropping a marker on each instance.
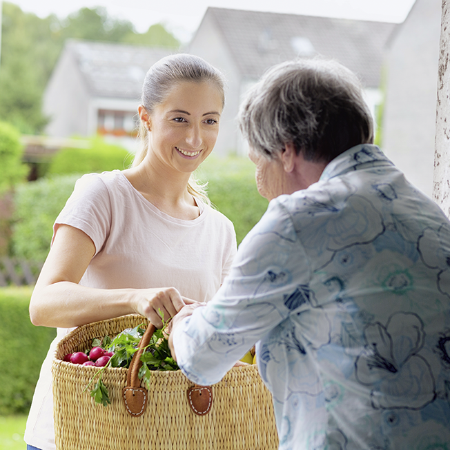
(184, 127)
(270, 175)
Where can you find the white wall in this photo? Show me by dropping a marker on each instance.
(410, 109)
(66, 99)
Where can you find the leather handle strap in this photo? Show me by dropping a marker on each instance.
(135, 365)
(135, 397)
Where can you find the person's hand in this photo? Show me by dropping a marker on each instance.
(160, 304)
(186, 311)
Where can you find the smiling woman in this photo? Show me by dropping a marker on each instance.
(143, 240)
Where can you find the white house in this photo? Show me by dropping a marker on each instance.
(409, 124)
(244, 44)
(95, 88)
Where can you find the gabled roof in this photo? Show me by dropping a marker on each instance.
(258, 40)
(114, 70)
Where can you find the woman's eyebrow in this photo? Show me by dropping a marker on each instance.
(187, 113)
(179, 111)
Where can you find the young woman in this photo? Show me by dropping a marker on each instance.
(143, 239)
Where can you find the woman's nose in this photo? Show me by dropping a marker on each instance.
(194, 138)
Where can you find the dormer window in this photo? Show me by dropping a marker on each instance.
(302, 46)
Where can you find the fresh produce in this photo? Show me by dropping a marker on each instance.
(119, 353)
(96, 353)
(79, 358)
(102, 361)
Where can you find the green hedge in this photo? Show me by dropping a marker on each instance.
(37, 205)
(100, 156)
(24, 348)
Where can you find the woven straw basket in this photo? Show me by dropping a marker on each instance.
(240, 417)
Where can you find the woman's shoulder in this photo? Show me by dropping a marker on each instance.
(99, 182)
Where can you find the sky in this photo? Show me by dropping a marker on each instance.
(182, 17)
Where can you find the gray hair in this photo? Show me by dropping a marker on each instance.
(159, 81)
(315, 104)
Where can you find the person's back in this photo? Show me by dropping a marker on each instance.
(368, 345)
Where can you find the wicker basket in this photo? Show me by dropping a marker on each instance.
(241, 415)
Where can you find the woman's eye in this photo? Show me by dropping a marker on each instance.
(211, 121)
(179, 119)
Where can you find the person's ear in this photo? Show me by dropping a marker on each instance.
(288, 156)
(145, 117)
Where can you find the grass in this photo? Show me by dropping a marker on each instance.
(12, 429)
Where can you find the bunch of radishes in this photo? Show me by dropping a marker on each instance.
(97, 357)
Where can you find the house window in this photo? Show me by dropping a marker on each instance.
(116, 123)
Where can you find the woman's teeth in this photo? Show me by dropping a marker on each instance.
(188, 153)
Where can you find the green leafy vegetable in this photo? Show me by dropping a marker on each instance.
(156, 356)
(100, 393)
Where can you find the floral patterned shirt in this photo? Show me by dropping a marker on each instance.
(345, 288)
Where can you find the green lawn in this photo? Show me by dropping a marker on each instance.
(12, 429)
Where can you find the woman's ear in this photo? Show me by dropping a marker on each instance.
(288, 156)
(145, 117)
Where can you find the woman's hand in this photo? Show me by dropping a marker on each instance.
(160, 304)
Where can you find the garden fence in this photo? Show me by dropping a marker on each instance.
(18, 272)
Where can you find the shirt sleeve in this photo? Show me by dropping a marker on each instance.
(88, 209)
(260, 292)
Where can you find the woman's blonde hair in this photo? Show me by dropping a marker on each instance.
(160, 79)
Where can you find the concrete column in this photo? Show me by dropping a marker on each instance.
(441, 176)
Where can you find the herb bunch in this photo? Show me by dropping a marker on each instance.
(156, 356)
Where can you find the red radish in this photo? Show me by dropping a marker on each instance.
(79, 358)
(89, 363)
(67, 357)
(102, 361)
(96, 353)
(110, 354)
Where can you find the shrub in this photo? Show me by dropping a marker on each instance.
(12, 171)
(98, 157)
(24, 348)
(37, 205)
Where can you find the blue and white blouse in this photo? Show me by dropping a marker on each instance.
(345, 288)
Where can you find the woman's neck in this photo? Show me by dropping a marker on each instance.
(164, 188)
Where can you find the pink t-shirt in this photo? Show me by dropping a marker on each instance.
(137, 246)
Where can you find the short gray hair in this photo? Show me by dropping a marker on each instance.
(315, 104)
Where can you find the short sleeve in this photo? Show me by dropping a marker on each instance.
(88, 209)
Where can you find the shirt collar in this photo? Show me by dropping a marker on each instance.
(354, 159)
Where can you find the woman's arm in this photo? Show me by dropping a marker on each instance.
(59, 301)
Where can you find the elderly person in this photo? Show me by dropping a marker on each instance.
(344, 284)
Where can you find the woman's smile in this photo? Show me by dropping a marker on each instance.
(190, 154)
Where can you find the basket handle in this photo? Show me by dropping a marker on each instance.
(135, 364)
(135, 397)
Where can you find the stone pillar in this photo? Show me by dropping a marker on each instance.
(441, 176)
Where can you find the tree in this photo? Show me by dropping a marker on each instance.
(156, 36)
(29, 52)
(95, 25)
